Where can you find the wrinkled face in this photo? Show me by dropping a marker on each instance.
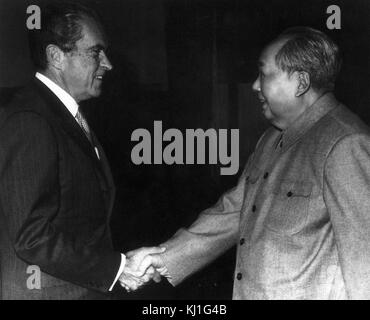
(85, 67)
(276, 89)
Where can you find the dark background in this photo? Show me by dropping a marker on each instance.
(190, 64)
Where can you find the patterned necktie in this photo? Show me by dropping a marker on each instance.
(84, 126)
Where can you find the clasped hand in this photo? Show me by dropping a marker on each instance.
(142, 265)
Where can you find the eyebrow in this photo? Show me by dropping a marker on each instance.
(97, 46)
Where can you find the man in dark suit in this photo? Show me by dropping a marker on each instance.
(56, 188)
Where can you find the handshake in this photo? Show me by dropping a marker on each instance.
(143, 265)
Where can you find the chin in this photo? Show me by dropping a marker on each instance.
(95, 93)
(278, 124)
(267, 114)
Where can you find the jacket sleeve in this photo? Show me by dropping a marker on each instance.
(214, 232)
(30, 202)
(347, 197)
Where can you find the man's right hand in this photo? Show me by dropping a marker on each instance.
(143, 265)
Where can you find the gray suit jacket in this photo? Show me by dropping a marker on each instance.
(300, 214)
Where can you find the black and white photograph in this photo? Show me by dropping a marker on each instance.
(204, 150)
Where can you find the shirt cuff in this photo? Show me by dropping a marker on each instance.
(120, 270)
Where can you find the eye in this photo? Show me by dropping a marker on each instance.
(96, 52)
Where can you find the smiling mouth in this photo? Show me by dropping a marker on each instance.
(99, 77)
(261, 98)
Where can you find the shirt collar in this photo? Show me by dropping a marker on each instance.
(63, 95)
(306, 120)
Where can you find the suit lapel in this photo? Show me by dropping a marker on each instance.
(56, 110)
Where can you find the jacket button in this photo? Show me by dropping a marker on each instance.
(254, 208)
(265, 175)
(289, 194)
(239, 276)
(242, 240)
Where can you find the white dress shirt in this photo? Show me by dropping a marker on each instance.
(63, 96)
(72, 106)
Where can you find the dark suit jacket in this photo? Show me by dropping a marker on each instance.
(56, 198)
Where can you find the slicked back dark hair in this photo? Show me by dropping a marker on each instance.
(312, 51)
(60, 26)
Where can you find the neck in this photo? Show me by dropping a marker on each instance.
(305, 102)
(58, 79)
(312, 97)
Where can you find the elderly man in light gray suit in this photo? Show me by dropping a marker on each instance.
(300, 213)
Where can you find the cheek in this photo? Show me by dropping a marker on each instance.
(78, 71)
(86, 69)
(280, 91)
(271, 90)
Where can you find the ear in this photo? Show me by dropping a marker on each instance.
(304, 83)
(55, 56)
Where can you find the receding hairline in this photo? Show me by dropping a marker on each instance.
(91, 23)
(276, 42)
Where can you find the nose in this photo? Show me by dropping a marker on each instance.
(256, 84)
(104, 62)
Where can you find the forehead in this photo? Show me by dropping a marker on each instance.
(267, 57)
(92, 34)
